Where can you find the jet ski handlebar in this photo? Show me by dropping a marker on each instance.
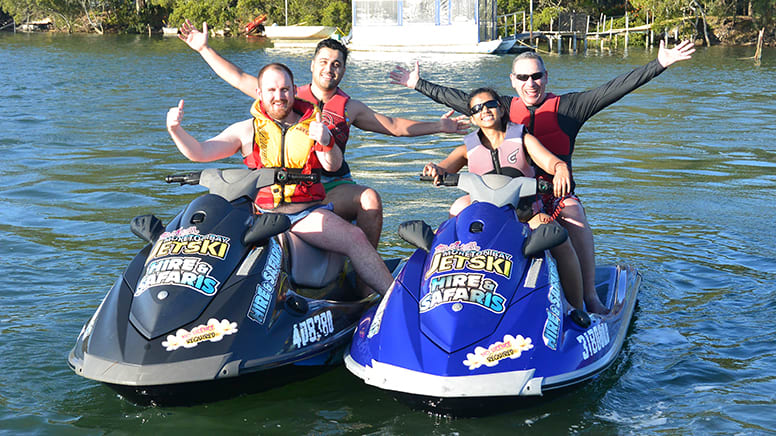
(184, 179)
(282, 176)
(447, 179)
(451, 179)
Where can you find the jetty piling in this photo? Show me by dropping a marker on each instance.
(568, 31)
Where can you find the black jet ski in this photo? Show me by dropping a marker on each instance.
(220, 302)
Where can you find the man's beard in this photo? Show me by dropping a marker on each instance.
(278, 114)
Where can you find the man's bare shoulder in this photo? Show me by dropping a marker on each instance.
(356, 108)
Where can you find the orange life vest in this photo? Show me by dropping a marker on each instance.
(290, 149)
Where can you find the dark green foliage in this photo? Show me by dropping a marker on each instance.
(231, 16)
(219, 14)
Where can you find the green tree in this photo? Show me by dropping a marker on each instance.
(219, 14)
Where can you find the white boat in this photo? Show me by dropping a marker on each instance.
(298, 32)
(440, 26)
(479, 48)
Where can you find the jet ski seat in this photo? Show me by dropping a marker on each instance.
(310, 266)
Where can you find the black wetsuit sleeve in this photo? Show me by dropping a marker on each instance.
(581, 106)
(452, 97)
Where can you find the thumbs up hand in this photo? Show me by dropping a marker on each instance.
(175, 116)
(320, 133)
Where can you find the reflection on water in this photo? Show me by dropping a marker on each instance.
(677, 178)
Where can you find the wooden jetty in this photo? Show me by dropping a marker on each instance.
(571, 31)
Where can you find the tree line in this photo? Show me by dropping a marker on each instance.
(231, 16)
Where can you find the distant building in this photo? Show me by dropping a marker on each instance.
(425, 25)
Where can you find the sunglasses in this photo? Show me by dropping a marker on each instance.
(490, 104)
(524, 77)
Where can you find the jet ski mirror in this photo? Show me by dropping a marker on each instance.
(417, 233)
(544, 237)
(266, 226)
(147, 227)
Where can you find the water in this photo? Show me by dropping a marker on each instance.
(678, 179)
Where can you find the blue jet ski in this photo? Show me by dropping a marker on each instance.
(220, 302)
(476, 320)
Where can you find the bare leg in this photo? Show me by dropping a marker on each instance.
(324, 229)
(359, 203)
(572, 217)
(569, 270)
(460, 204)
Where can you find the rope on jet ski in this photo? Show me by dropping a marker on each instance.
(561, 205)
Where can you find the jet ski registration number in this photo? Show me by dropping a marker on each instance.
(313, 329)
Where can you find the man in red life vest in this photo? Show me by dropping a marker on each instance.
(350, 200)
(286, 132)
(556, 120)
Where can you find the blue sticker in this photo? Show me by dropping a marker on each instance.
(551, 330)
(465, 288)
(266, 288)
(189, 272)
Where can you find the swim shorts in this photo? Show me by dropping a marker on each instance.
(295, 217)
(330, 183)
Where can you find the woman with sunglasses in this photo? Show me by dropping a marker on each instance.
(556, 120)
(501, 147)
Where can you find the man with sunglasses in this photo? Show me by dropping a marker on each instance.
(556, 120)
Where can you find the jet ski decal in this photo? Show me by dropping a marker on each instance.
(188, 241)
(262, 299)
(551, 330)
(374, 327)
(214, 331)
(189, 272)
(594, 340)
(313, 329)
(511, 347)
(457, 256)
(465, 288)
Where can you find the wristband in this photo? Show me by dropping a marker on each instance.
(324, 148)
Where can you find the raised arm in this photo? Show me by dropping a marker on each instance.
(550, 163)
(450, 97)
(365, 118)
(235, 138)
(226, 70)
(583, 105)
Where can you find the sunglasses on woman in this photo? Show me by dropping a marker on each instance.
(490, 104)
(523, 77)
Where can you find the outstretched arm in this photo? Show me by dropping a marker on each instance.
(450, 97)
(225, 144)
(226, 70)
(580, 106)
(365, 118)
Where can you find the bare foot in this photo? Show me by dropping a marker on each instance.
(595, 306)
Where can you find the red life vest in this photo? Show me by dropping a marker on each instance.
(543, 124)
(510, 154)
(290, 149)
(335, 117)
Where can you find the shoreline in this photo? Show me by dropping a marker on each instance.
(722, 32)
